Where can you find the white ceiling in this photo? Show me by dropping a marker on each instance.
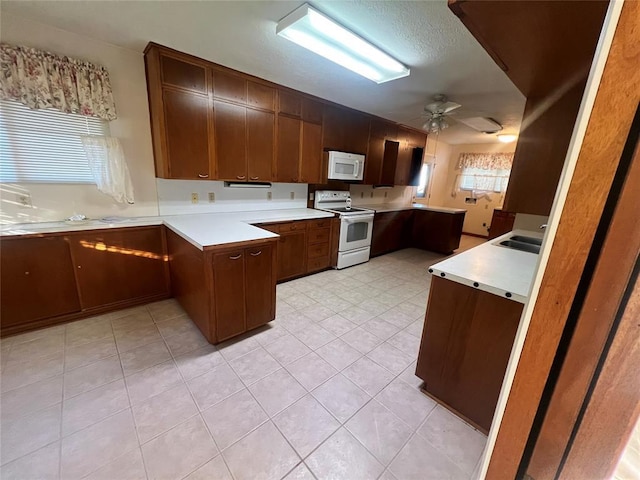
(425, 35)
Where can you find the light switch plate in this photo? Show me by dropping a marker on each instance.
(292, 195)
(269, 195)
(212, 197)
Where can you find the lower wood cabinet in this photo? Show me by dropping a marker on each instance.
(436, 231)
(425, 229)
(304, 246)
(226, 291)
(59, 277)
(113, 266)
(501, 223)
(36, 280)
(466, 343)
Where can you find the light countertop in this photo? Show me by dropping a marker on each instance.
(202, 230)
(496, 269)
(391, 207)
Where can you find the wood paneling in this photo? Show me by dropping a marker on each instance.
(231, 141)
(37, 280)
(186, 134)
(289, 103)
(465, 348)
(105, 259)
(229, 293)
(311, 111)
(288, 149)
(437, 231)
(260, 286)
(260, 145)
(613, 111)
(610, 282)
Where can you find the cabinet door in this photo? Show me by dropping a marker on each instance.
(335, 126)
(229, 87)
(187, 134)
(260, 96)
(183, 74)
(119, 265)
(289, 103)
(403, 165)
(292, 247)
(231, 141)
(311, 160)
(373, 163)
(357, 134)
(311, 111)
(229, 293)
(389, 162)
(260, 285)
(37, 280)
(260, 145)
(288, 145)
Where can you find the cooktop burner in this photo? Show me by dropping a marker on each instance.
(347, 210)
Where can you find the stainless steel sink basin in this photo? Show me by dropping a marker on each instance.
(522, 246)
(523, 239)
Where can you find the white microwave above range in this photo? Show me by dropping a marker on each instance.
(345, 166)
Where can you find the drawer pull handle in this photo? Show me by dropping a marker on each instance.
(235, 257)
(203, 175)
(254, 178)
(241, 177)
(26, 273)
(255, 254)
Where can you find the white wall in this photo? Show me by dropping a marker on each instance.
(174, 197)
(478, 216)
(126, 69)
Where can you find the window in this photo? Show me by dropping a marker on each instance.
(425, 179)
(483, 180)
(44, 146)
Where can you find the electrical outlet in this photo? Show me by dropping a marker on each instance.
(361, 194)
(24, 200)
(486, 207)
(292, 195)
(385, 194)
(212, 197)
(269, 195)
(194, 198)
(312, 196)
(371, 194)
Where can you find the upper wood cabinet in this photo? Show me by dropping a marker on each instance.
(37, 280)
(381, 155)
(211, 122)
(528, 41)
(345, 130)
(181, 120)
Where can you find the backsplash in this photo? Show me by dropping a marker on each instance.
(367, 195)
(174, 197)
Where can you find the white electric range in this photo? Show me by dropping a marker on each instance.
(356, 226)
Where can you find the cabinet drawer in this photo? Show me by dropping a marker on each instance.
(319, 250)
(315, 264)
(322, 223)
(292, 226)
(319, 235)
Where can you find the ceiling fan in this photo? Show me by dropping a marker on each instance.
(437, 117)
(435, 113)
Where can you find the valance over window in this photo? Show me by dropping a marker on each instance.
(41, 79)
(486, 161)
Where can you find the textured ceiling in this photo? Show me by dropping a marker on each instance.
(425, 35)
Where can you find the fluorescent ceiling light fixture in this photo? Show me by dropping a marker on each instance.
(316, 32)
(507, 138)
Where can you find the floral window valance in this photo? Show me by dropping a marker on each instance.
(41, 79)
(486, 161)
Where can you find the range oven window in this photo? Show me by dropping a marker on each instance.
(357, 231)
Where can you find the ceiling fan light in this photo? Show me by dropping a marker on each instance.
(315, 31)
(507, 137)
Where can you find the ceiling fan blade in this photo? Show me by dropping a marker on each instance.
(449, 107)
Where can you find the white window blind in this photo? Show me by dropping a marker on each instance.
(480, 179)
(44, 146)
(425, 180)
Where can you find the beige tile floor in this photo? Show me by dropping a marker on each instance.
(325, 391)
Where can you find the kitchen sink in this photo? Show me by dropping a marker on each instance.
(531, 240)
(522, 246)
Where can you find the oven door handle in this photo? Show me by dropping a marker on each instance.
(364, 218)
